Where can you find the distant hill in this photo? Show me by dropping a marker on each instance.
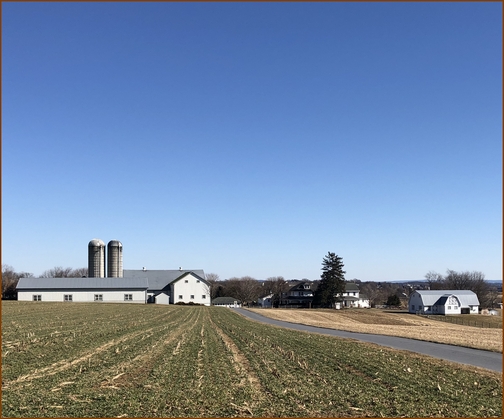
(415, 281)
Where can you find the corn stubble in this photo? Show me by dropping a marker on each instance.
(105, 360)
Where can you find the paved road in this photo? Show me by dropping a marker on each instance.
(478, 358)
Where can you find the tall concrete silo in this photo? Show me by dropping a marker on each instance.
(115, 259)
(96, 259)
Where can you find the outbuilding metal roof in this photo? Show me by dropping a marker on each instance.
(82, 283)
(431, 297)
(225, 300)
(158, 279)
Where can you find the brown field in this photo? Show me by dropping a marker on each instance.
(393, 324)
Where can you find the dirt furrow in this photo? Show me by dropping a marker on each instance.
(241, 363)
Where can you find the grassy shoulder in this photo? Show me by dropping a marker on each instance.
(118, 360)
(395, 324)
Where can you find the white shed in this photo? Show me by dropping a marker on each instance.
(443, 302)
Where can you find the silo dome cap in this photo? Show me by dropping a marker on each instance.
(96, 242)
(114, 243)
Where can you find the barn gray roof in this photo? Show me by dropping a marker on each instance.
(431, 297)
(82, 283)
(159, 279)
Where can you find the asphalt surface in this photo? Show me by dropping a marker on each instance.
(475, 357)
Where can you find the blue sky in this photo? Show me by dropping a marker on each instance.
(253, 138)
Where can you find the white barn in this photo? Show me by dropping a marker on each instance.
(112, 290)
(443, 302)
(136, 286)
(173, 286)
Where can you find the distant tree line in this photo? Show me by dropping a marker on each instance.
(10, 277)
(247, 289)
(332, 282)
(473, 281)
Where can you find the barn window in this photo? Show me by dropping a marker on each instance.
(128, 297)
(449, 307)
(186, 281)
(180, 297)
(203, 296)
(67, 297)
(37, 298)
(197, 281)
(98, 297)
(413, 307)
(192, 297)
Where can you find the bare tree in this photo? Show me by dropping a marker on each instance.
(275, 286)
(493, 297)
(60, 272)
(246, 289)
(473, 281)
(10, 280)
(213, 279)
(79, 273)
(434, 280)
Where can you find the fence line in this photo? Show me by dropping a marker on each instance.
(464, 322)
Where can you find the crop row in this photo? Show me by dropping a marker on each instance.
(153, 361)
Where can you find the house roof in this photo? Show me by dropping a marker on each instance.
(431, 297)
(81, 283)
(224, 300)
(351, 286)
(158, 279)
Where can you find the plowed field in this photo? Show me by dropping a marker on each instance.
(126, 360)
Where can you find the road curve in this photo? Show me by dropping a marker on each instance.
(475, 357)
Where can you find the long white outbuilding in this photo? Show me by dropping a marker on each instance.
(137, 286)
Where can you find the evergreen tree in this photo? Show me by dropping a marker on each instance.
(332, 281)
(393, 300)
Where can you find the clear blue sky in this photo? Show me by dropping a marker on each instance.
(253, 138)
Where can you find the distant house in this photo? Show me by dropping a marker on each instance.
(352, 298)
(299, 294)
(136, 286)
(443, 302)
(226, 302)
(265, 301)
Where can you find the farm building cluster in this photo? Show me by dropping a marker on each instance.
(125, 286)
(109, 282)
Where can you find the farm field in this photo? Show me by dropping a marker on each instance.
(128, 360)
(397, 324)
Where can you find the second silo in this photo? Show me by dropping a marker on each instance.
(96, 259)
(114, 259)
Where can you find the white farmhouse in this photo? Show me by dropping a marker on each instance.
(352, 297)
(443, 302)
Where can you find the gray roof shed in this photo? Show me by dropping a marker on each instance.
(81, 283)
